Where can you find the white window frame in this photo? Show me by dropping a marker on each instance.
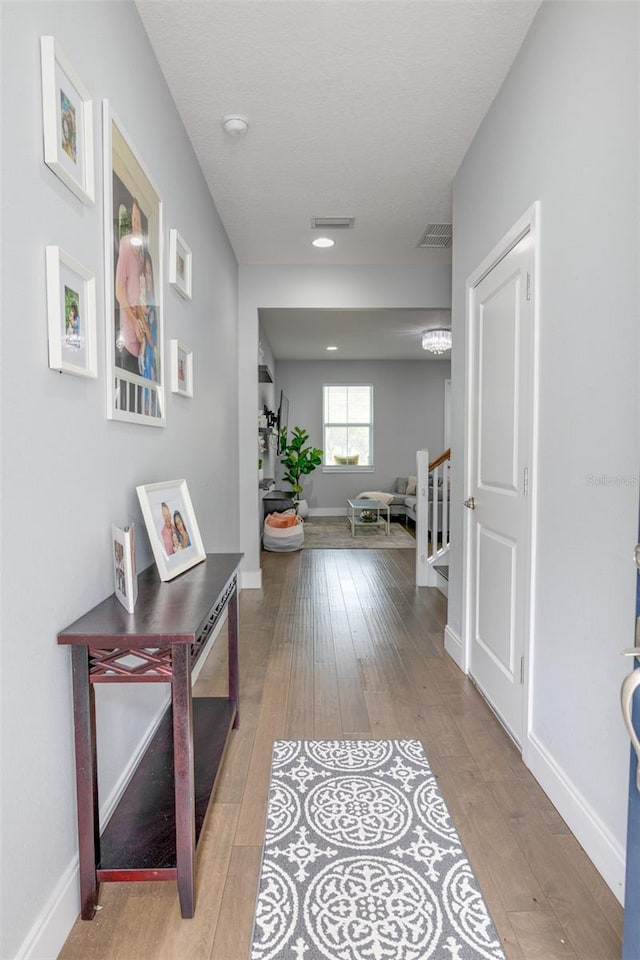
(350, 468)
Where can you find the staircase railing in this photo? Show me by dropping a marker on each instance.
(432, 524)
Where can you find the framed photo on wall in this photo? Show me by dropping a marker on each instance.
(172, 527)
(179, 264)
(181, 369)
(133, 283)
(71, 312)
(67, 122)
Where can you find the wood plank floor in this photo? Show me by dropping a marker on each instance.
(340, 644)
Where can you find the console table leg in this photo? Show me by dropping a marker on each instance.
(232, 628)
(86, 780)
(184, 777)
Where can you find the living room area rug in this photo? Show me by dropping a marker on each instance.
(362, 862)
(334, 533)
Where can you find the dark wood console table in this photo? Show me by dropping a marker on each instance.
(153, 832)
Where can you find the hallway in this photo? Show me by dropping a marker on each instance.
(340, 644)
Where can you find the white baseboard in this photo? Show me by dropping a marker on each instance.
(596, 839)
(453, 646)
(250, 580)
(51, 928)
(48, 934)
(327, 511)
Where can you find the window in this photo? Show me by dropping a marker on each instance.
(347, 417)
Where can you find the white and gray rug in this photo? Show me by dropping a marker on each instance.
(334, 533)
(361, 860)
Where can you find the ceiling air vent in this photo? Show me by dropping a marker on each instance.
(437, 235)
(332, 223)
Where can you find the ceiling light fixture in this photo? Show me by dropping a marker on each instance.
(235, 124)
(332, 348)
(436, 341)
(323, 242)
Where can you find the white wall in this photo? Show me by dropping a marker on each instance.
(564, 130)
(67, 472)
(261, 286)
(408, 415)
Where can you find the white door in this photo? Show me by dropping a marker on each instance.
(501, 335)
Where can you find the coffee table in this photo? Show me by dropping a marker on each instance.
(360, 510)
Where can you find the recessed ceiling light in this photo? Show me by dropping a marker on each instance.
(323, 242)
(332, 348)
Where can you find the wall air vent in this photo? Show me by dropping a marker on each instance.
(332, 223)
(437, 235)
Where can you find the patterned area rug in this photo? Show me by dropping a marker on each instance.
(334, 533)
(361, 860)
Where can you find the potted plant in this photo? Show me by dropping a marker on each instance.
(298, 458)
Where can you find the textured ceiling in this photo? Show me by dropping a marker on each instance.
(357, 108)
(360, 109)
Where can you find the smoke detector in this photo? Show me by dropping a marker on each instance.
(235, 124)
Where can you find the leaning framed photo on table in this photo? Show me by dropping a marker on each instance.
(171, 525)
(133, 283)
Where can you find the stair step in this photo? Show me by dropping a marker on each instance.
(443, 570)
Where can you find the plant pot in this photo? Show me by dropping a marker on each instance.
(302, 509)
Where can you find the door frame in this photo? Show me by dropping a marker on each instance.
(526, 225)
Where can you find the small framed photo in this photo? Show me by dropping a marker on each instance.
(179, 264)
(71, 310)
(67, 121)
(181, 369)
(172, 527)
(124, 566)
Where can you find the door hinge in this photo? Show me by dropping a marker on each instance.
(528, 286)
(521, 669)
(525, 484)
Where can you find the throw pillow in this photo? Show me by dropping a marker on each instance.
(411, 486)
(401, 486)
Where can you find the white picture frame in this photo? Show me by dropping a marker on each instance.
(71, 315)
(161, 504)
(132, 237)
(67, 122)
(181, 369)
(179, 264)
(125, 580)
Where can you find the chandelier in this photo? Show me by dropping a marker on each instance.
(436, 341)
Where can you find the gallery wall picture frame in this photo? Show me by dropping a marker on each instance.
(133, 282)
(179, 264)
(181, 369)
(172, 527)
(71, 315)
(67, 122)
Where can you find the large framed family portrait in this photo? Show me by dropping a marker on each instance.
(133, 283)
(172, 526)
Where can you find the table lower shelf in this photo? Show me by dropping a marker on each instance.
(140, 837)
